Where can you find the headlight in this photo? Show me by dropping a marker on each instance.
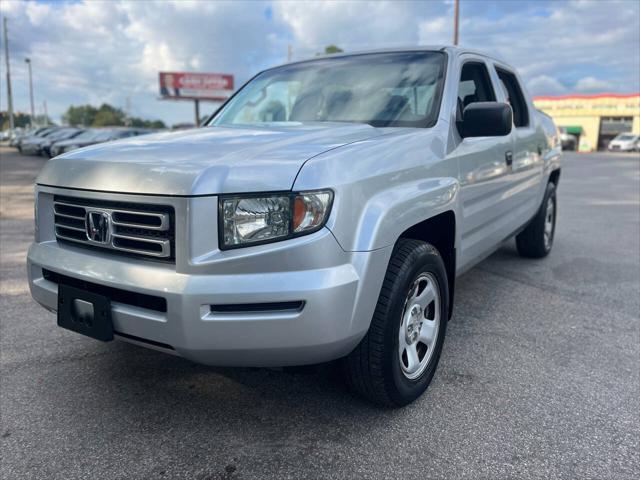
(245, 220)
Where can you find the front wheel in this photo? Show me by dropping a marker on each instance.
(396, 360)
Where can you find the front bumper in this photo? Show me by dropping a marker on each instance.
(31, 149)
(338, 291)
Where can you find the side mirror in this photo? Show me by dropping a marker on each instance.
(486, 119)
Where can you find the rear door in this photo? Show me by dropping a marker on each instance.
(527, 168)
(484, 172)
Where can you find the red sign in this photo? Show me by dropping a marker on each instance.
(195, 86)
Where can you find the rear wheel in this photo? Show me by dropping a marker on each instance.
(396, 360)
(536, 240)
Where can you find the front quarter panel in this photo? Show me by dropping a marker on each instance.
(383, 186)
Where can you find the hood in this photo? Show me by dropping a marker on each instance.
(73, 141)
(202, 161)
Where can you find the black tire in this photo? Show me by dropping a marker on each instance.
(373, 370)
(531, 241)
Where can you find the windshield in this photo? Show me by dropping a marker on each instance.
(104, 135)
(62, 134)
(625, 137)
(47, 132)
(68, 134)
(86, 135)
(123, 134)
(382, 89)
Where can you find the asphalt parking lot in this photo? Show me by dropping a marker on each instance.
(540, 375)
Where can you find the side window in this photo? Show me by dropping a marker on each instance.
(516, 98)
(475, 86)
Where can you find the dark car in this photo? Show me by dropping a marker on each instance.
(94, 136)
(27, 136)
(48, 142)
(41, 145)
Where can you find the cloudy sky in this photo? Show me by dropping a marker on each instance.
(108, 51)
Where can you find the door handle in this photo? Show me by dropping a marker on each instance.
(508, 157)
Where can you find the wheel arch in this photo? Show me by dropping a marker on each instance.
(439, 231)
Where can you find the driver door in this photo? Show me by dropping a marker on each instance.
(484, 171)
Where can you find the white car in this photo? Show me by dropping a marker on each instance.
(625, 142)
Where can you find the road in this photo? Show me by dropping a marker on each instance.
(539, 377)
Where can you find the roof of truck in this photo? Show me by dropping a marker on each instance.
(451, 49)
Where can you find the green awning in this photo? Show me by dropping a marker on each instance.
(574, 130)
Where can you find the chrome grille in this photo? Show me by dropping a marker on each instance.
(138, 229)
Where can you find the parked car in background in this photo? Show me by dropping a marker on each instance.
(17, 136)
(7, 135)
(32, 134)
(40, 144)
(63, 135)
(625, 142)
(568, 141)
(94, 136)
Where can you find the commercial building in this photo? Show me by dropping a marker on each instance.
(594, 119)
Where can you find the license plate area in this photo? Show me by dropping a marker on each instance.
(85, 312)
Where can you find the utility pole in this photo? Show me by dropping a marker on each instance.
(456, 16)
(46, 114)
(289, 52)
(6, 57)
(127, 111)
(33, 111)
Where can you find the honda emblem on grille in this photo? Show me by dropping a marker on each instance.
(98, 226)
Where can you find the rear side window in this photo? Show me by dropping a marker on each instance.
(516, 98)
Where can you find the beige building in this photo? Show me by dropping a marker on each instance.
(594, 119)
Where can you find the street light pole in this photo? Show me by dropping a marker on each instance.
(9, 94)
(33, 111)
(196, 104)
(456, 16)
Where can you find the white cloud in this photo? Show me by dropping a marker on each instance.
(355, 25)
(592, 84)
(545, 85)
(433, 32)
(38, 13)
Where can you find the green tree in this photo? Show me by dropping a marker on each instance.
(81, 115)
(141, 123)
(105, 116)
(108, 116)
(42, 120)
(329, 49)
(20, 119)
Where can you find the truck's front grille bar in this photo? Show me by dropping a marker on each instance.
(139, 229)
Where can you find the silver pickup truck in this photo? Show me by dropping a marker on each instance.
(322, 213)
